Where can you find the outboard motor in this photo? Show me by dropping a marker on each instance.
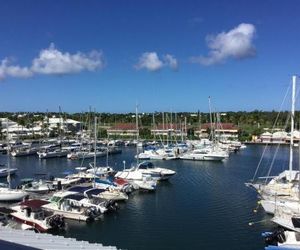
(273, 238)
(59, 186)
(56, 221)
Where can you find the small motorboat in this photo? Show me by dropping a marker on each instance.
(38, 187)
(31, 214)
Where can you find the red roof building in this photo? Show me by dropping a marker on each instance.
(169, 129)
(123, 129)
(224, 130)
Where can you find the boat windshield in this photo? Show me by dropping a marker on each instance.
(146, 165)
(55, 199)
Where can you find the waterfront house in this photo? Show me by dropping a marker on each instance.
(123, 130)
(169, 130)
(222, 130)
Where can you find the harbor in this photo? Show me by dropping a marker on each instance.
(149, 125)
(197, 203)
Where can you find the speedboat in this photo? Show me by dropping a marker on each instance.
(67, 204)
(31, 214)
(138, 179)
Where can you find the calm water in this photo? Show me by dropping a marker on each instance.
(205, 206)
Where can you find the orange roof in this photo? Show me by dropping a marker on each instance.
(220, 126)
(123, 126)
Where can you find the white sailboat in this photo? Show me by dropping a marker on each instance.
(285, 185)
(280, 196)
(7, 193)
(132, 175)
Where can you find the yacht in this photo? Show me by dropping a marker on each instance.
(205, 155)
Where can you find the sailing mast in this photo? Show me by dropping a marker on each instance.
(211, 122)
(95, 147)
(292, 127)
(7, 149)
(137, 134)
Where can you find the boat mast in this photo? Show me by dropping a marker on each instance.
(292, 127)
(95, 147)
(7, 153)
(211, 122)
(137, 134)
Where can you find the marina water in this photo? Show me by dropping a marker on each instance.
(206, 205)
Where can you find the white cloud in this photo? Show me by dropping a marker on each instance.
(53, 61)
(151, 62)
(171, 61)
(8, 70)
(236, 43)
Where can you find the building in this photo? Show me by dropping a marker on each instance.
(222, 130)
(171, 130)
(123, 130)
(5, 122)
(53, 123)
(279, 137)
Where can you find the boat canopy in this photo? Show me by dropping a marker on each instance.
(94, 191)
(34, 204)
(80, 189)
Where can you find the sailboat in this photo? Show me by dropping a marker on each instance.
(280, 196)
(283, 187)
(137, 178)
(6, 192)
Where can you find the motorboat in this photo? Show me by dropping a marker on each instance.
(100, 170)
(66, 181)
(30, 213)
(23, 151)
(107, 194)
(37, 187)
(159, 154)
(137, 178)
(147, 168)
(85, 154)
(206, 154)
(67, 204)
(8, 194)
(52, 153)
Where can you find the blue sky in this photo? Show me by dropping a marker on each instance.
(165, 55)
